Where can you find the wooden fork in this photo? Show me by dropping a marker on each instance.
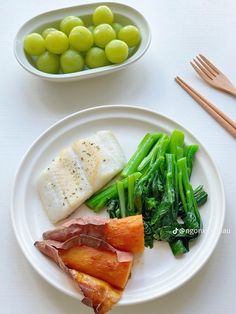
(212, 75)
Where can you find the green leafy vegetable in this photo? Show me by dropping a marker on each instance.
(121, 195)
(161, 191)
(99, 200)
(143, 149)
(192, 217)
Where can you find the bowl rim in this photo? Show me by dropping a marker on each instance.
(88, 72)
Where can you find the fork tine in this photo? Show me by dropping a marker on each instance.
(203, 69)
(203, 75)
(206, 66)
(210, 64)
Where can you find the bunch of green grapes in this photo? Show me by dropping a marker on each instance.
(75, 47)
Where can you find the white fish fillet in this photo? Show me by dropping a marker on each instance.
(79, 171)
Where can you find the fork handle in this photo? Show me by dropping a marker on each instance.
(227, 89)
(231, 91)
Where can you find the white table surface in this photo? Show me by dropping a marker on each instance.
(28, 106)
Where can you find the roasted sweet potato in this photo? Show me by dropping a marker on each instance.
(97, 293)
(97, 254)
(99, 263)
(126, 234)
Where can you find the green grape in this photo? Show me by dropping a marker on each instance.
(96, 58)
(69, 22)
(81, 38)
(102, 15)
(117, 51)
(57, 42)
(103, 34)
(34, 44)
(91, 28)
(48, 31)
(48, 62)
(117, 27)
(130, 34)
(71, 61)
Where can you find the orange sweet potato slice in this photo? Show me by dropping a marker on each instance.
(98, 294)
(97, 254)
(101, 264)
(125, 234)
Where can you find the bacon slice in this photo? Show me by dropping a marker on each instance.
(126, 234)
(76, 255)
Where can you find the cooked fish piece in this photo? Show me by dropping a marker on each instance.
(79, 171)
(101, 157)
(63, 186)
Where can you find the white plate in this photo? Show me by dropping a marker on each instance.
(123, 14)
(157, 271)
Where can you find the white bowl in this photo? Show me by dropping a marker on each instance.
(123, 14)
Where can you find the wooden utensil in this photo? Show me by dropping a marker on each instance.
(212, 75)
(217, 114)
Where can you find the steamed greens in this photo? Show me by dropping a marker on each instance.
(156, 183)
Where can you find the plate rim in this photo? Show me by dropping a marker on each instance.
(135, 108)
